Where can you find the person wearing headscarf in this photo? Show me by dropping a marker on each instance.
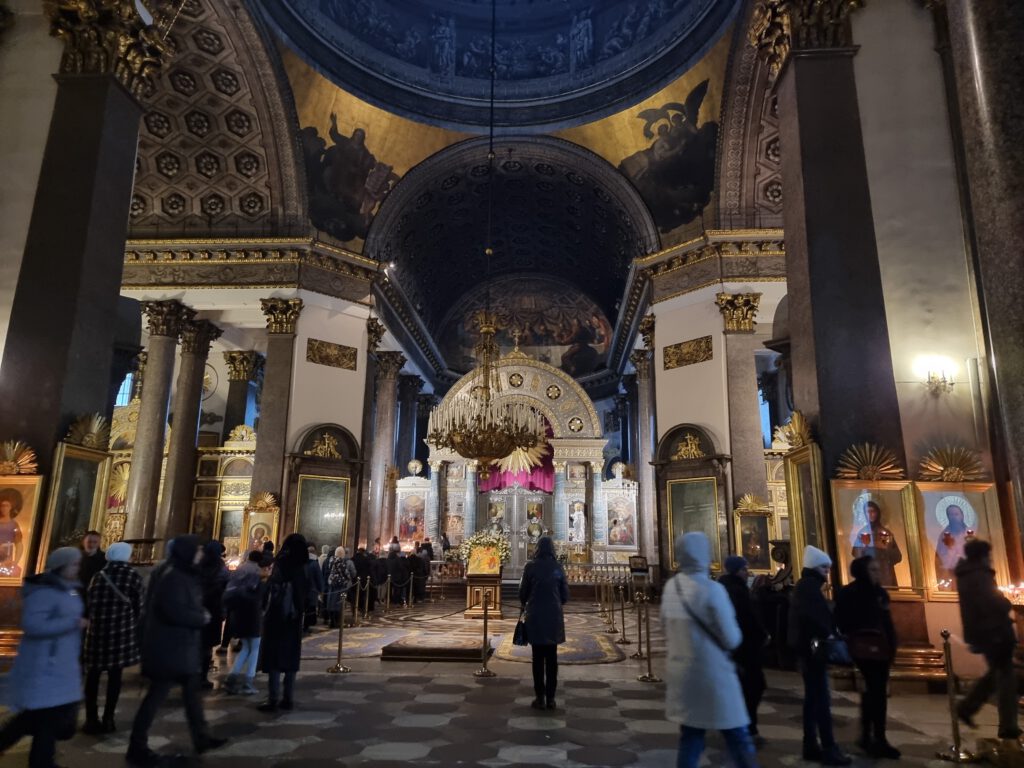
(811, 624)
(543, 591)
(747, 656)
(243, 600)
(862, 610)
(213, 576)
(173, 620)
(702, 690)
(339, 582)
(325, 552)
(112, 639)
(44, 686)
(281, 644)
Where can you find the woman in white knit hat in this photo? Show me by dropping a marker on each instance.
(810, 620)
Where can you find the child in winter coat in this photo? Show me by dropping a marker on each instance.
(243, 599)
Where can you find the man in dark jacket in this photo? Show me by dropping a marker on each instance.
(174, 618)
(748, 656)
(93, 560)
(988, 630)
(364, 571)
(315, 587)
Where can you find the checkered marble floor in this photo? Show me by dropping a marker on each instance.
(403, 713)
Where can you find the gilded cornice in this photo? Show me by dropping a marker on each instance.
(109, 37)
(779, 27)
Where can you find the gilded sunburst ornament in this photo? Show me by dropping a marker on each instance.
(951, 464)
(90, 431)
(867, 461)
(17, 458)
(796, 433)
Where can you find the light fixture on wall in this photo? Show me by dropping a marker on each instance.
(938, 373)
(477, 425)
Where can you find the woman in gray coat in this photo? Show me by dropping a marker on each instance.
(543, 591)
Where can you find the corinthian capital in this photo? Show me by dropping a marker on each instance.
(109, 37)
(646, 328)
(164, 318)
(389, 364)
(641, 360)
(197, 336)
(374, 333)
(779, 27)
(242, 365)
(281, 314)
(738, 310)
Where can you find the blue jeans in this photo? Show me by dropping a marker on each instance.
(737, 741)
(817, 704)
(247, 658)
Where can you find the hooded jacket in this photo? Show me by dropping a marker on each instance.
(46, 672)
(543, 591)
(701, 688)
(281, 645)
(984, 610)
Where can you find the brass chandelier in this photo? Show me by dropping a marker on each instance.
(478, 426)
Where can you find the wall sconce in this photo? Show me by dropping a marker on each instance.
(938, 373)
(938, 384)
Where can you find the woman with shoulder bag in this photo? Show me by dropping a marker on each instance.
(862, 614)
(543, 591)
(811, 625)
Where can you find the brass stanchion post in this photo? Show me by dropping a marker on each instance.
(339, 667)
(387, 596)
(650, 676)
(485, 650)
(639, 654)
(956, 753)
(623, 639)
(440, 572)
(355, 605)
(366, 601)
(610, 591)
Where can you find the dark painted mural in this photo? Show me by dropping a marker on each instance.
(556, 324)
(676, 173)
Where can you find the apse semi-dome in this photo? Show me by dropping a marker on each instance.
(558, 62)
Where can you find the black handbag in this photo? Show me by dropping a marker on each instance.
(519, 635)
(834, 651)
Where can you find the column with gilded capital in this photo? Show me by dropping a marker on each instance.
(409, 387)
(471, 495)
(561, 511)
(268, 467)
(646, 435)
(598, 533)
(63, 313)
(433, 521)
(243, 368)
(746, 443)
(831, 252)
(180, 477)
(164, 319)
(382, 455)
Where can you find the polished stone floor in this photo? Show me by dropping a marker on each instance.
(431, 713)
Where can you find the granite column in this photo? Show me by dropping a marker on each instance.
(471, 499)
(175, 509)
(165, 319)
(409, 387)
(561, 512)
(242, 370)
(382, 457)
(433, 521)
(646, 435)
(598, 533)
(271, 440)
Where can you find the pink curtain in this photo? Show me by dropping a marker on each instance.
(540, 478)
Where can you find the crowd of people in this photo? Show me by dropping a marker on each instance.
(90, 613)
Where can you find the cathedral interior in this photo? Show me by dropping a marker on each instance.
(746, 267)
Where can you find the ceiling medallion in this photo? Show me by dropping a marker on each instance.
(554, 392)
(515, 380)
(575, 424)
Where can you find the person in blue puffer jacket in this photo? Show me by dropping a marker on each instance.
(45, 683)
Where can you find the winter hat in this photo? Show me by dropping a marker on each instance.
(62, 557)
(735, 563)
(120, 552)
(693, 552)
(815, 558)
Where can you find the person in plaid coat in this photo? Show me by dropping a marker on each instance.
(111, 641)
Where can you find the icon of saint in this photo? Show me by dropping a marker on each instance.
(878, 541)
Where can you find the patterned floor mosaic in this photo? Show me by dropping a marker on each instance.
(388, 714)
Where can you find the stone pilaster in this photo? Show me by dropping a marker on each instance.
(243, 367)
(598, 533)
(409, 387)
(382, 455)
(746, 444)
(829, 231)
(561, 512)
(179, 478)
(471, 497)
(433, 521)
(60, 338)
(275, 401)
(164, 319)
(646, 436)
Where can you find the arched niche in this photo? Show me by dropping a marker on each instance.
(691, 475)
(322, 499)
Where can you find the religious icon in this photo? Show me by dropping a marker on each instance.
(496, 516)
(259, 534)
(693, 506)
(410, 517)
(78, 497)
(959, 523)
(534, 520)
(577, 472)
(577, 522)
(19, 504)
(875, 539)
(621, 519)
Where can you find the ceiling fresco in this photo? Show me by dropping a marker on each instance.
(558, 62)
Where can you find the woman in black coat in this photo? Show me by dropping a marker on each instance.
(811, 623)
(542, 592)
(281, 645)
(213, 576)
(862, 614)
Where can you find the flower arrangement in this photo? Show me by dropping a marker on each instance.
(485, 539)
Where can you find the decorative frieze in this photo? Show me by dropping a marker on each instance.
(738, 311)
(109, 37)
(243, 365)
(330, 354)
(688, 353)
(282, 314)
(779, 27)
